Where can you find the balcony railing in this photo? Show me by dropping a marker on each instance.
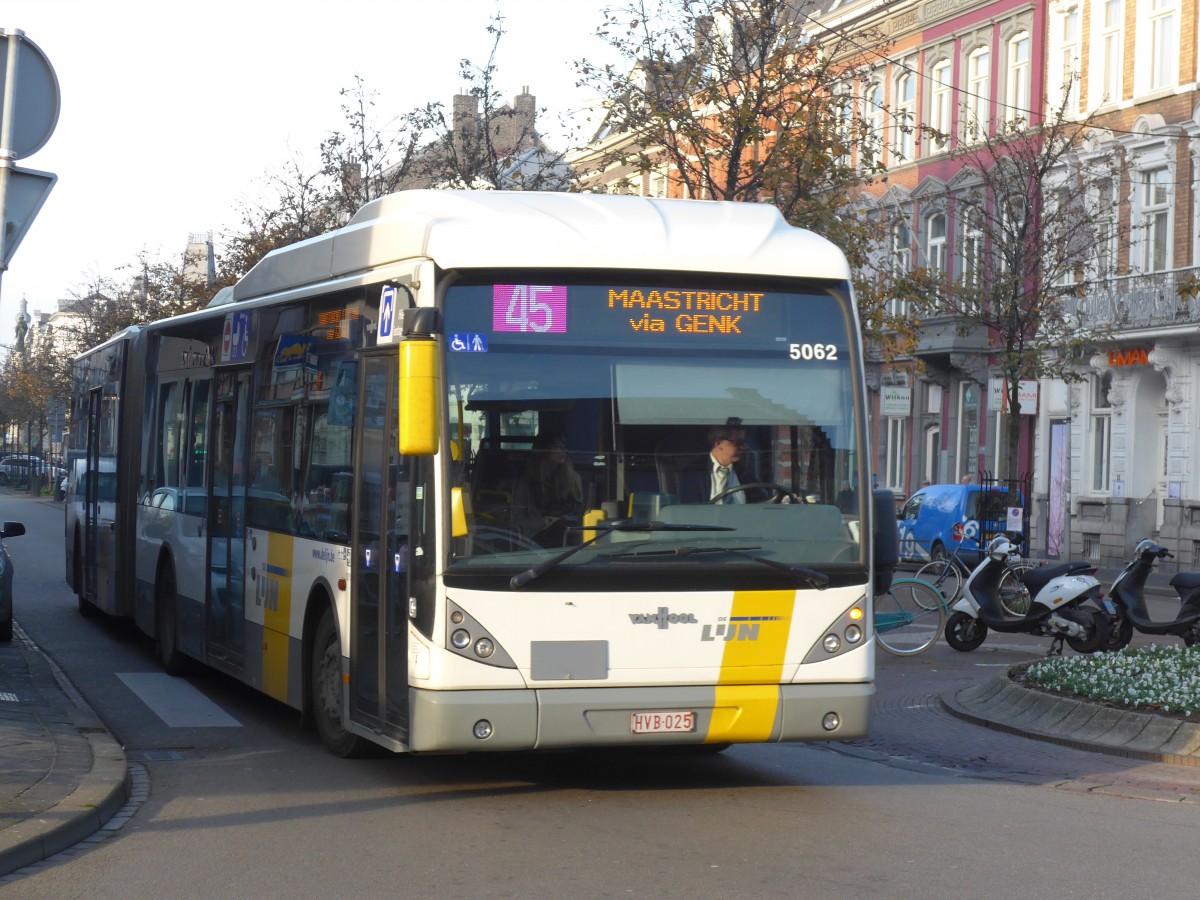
(1140, 301)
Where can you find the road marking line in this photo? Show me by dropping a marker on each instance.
(176, 702)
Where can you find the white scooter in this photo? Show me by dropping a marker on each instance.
(1056, 610)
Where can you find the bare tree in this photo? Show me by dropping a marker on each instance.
(297, 208)
(488, 144)
(1028, 242)
(368, 159)
(736, 100)
(363, 161)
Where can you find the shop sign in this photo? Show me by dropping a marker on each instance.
(1134, 356)
(1027, 395)
(895, 401)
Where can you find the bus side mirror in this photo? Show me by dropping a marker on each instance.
(420, 389)
(886, 542)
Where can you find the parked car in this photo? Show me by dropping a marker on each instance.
(939, 517)
(11, 529)
(18, 469)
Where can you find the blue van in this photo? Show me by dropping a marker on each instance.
(940, 516)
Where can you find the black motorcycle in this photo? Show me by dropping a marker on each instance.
(1127, 596)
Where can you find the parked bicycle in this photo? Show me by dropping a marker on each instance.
(909, 617)
(947, 572)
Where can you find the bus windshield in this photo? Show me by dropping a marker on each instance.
(588, 411)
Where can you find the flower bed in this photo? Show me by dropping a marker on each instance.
(1153, 678)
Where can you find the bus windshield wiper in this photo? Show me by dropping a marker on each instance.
(521, 579)
(810, 576)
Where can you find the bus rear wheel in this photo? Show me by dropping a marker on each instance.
(85, 605)
(166, 632)
(325, 674)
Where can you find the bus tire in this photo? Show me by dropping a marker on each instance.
(86, 609)
(325, 677)
(166, 628)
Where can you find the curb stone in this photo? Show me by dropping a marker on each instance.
(1006, 706)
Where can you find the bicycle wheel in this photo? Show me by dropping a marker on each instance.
(944, 575)
(1014, 596)
(909, 617)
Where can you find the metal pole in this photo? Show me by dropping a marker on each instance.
(7, 125)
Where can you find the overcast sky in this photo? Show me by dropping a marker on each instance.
(171, 113)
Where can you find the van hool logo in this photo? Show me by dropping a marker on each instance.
(663, 618)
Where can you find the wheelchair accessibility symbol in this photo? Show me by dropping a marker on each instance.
(468, 343)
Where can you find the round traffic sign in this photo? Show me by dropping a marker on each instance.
(34, 112)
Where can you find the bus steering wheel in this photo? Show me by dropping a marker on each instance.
(778, 491)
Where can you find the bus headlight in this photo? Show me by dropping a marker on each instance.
(470, 639)
(845, 634)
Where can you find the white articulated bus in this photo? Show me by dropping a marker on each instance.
(441, 479)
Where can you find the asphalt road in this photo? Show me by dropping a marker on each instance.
(929, 806)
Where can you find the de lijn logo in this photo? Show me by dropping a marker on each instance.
(736, 628)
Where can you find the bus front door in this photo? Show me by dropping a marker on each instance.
(226, 605)
(378, 613)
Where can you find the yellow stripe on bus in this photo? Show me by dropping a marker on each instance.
(756, 639)
(277, 615)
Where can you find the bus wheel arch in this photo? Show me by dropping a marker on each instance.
(324, 690)
(166, 617)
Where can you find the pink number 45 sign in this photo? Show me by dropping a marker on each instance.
(529, 307)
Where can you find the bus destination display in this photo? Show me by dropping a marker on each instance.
(593, 312)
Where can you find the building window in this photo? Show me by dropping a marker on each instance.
(1155, 197)
(901, 264)
(1102, 203)
(933, 447)
(935, 242)
(1101, 433)
(1110, 43)
(873, 113)
(968, 429)
(1017, 88)
(1067, 54)
(971, 256)
(979, 83)
(894, 469)
(941, 96)
(904, 145)
(1164, 45)
(843, 124)
(933, 399)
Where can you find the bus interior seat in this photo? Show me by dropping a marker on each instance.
(495, 472)
(680, 451)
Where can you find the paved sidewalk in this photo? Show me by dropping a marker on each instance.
(62, 775)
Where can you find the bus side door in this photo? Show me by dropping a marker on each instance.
(378, 608)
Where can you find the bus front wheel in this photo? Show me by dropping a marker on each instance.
(325, 672)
